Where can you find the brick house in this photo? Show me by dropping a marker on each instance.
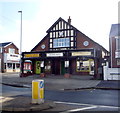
(65, 49)
(114, 42)
(9, 57)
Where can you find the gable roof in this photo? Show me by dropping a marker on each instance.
(40, 42)
(5, 44)
(60, 19)
(115, 30)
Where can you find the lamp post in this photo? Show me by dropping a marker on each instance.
(20, 39)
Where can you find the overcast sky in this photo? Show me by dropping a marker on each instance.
(92, 17)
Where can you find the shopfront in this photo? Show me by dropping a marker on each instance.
(11, 62)
(75, 62)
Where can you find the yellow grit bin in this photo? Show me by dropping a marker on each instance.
(37, 91)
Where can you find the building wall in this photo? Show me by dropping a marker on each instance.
(8, 61)
(112, 51)
(6, 49)
(45, 42)
(81, 39)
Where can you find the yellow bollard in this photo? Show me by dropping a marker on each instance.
(37, 91)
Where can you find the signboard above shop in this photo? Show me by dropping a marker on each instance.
(11, 57)
(54, 54)
(31, 55)
(83, 53)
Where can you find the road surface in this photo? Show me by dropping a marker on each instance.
(73, 101)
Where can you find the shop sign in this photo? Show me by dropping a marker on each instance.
(54, 54)
(11, 57)
(31, 55)
(85, 53)
(117, 54)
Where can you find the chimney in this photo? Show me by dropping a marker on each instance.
(69, 20)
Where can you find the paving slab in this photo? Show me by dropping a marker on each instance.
(25, 104)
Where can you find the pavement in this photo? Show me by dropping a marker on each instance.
(52, 82)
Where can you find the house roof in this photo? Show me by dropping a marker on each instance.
(60, 19)
(5, 44)
(115, 30)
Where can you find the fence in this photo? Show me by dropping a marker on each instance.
(111, 73)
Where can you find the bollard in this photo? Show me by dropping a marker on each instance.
(38, 91)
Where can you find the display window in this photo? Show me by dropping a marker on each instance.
(10, 65)
(47, 66)
(85, 65)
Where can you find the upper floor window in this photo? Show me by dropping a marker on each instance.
(0, 49)
(118, 43)
(61, 42)
(11, 50)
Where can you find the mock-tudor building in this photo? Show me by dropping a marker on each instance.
(9, 57)
(114, 39)
(63, 50)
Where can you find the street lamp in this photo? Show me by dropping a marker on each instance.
(20, 39)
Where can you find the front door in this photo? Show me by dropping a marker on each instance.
(56, 67)
(38, 69)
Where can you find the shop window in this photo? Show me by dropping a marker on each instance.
(83, 66)
(48, 66)
(17, 66)
(10, 65)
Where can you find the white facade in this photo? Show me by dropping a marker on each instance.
(11, 62)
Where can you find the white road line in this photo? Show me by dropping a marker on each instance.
(69, 103)
(79, 109)
(3, 99)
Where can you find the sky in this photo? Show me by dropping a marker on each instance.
(91, 17)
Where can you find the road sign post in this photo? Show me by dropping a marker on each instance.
(37, 91)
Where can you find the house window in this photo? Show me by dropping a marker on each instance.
(1, 50)
(11, 50)
(61, 42)
(117, 43)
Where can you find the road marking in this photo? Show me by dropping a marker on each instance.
(79, 109)
(69, 103)
(3, 99)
